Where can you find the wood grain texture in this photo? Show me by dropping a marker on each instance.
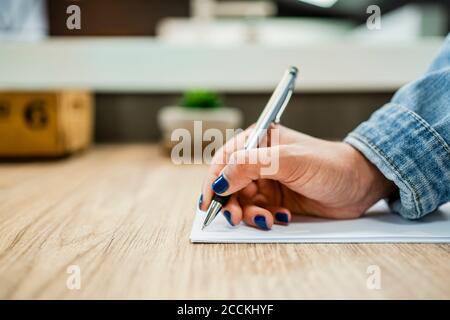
(124, 213)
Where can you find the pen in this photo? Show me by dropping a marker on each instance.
(271, 114)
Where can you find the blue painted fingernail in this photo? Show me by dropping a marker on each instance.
(220, 185)
(200, 201)
(260, 221)
(282, 217)
(227, 215)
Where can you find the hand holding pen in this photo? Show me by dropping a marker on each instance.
(314, 177)
(270, 115)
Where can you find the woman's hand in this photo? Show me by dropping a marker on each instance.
(314, 176)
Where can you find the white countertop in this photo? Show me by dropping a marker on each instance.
(148, 65)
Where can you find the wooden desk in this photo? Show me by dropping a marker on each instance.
(123, 215)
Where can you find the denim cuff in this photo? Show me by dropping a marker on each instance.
(409, 152)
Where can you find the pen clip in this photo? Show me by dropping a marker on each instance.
(285, 103)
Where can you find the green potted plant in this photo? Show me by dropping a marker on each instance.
(197, 108)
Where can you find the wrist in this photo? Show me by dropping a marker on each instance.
(373, 184)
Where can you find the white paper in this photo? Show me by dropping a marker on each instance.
(378, 225)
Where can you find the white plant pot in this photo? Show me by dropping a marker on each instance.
(175, 117)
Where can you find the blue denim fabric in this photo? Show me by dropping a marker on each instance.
(408, 140)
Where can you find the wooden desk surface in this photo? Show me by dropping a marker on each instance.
(123, 215)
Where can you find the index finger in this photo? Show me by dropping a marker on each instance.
(219, 161)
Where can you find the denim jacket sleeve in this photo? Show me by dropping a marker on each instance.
(408, 140)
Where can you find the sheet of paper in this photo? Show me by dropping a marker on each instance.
(378, 225)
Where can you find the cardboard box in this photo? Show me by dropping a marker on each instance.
(35, 124)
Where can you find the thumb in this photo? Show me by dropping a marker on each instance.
(245, 166)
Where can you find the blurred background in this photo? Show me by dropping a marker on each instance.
(151, 65)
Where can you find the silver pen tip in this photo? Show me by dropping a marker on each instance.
(212, 212)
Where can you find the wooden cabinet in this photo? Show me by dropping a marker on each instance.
(34, 124)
